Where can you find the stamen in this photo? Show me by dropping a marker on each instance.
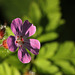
(17, 36)
(20, 45)
(23, 42)
(16, 41)
(22, 39)
(21, 36)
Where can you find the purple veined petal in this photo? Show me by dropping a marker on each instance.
(32, 45)
(11, 43)
(16, 26)
(23, 55)
(28, 29)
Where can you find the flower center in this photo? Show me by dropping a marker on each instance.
(19, 41)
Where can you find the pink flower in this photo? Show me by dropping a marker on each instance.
(22, 32)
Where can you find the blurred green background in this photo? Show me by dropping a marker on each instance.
(54, 20)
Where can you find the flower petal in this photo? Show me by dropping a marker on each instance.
(28, 28)
(32, 45)
(11, 43)
(16, 26)
(23, 55)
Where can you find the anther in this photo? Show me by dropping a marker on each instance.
(22, 39)
(20, 45)
(23, 42)
(17, 36)
(16, 41)
(21, 36)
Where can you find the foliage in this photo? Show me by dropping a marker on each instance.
(5, 69)
(54, 58)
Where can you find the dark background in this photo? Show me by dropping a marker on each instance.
(68, 13)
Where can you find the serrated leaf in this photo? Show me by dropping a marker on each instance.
(48, 50)
(64, 50)
(58, 73)
(66, 67)
(72, 56)
(49, 5)
(15, 61)
(54, 19)
(62, 56)
(45, 66)
(5, 69)
(48, 37)
(15, 71)
(2, 70)
(35, 13)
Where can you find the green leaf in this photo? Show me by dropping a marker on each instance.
(45, 66)
(5, 69)
(66, 67)
(4, 52)
(64, 56)
(53, 69)
(35, 13)
(59, 73)
(48, 37)
(15, 71)
(48, 50)
(61, 57)
(64, 50)
(54, 19)
(9, 31)
(51, 9)
(72, 56)
(49, 5)
(15, 61)
(2, 70)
